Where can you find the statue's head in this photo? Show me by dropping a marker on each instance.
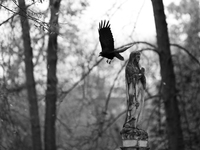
(134, 57)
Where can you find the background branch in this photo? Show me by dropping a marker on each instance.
(187, 51)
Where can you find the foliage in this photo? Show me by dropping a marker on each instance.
(90, 113)
(187, 70)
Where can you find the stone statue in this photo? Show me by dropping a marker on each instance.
(132, 135)
(135, 86)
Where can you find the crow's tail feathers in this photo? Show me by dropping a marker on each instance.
(119, 56)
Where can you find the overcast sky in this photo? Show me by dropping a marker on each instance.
(124, 15)
(135, 16)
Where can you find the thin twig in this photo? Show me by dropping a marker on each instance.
(113, 121)
(141, 42)
(112, 87)
(148, 49)
(137, 17)
(64, 93)
(108, 125)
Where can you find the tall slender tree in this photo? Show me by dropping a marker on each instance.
(174, 131)
(30, 81)
(51, 92)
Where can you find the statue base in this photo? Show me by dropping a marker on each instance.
(134, 138)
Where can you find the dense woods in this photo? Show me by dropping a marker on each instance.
(56, 93)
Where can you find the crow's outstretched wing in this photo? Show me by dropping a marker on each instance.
(105, 36)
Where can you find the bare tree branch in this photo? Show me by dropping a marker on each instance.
(42, 24)
(64, 93)
(8, 19)
(141, 42)
(187, 51)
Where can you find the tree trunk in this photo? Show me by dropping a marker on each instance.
(51, 92)
(174, 131)
(30, 81)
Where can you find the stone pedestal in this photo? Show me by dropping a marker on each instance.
(134, 138)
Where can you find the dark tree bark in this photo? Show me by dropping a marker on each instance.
(51, 92)
(30, 81)
(174, 131)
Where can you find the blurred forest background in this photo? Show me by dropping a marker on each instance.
(56, 93)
